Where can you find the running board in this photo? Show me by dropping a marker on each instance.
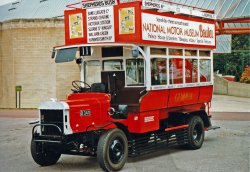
(47, 141)
(212, 128)
(155, 141)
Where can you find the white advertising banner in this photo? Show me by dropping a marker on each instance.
(165, 6)
(100, 25)
(167, 29)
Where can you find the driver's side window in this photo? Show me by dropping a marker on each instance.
(92, 71)
(135, 72)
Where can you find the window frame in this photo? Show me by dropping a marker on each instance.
(192, 58)
(144, 70)
(167, 76)
(183, 57)
(84, 68)
(109, 60)
(123, 61)
(147, 81)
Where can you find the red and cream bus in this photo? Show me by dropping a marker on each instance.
(146, 70)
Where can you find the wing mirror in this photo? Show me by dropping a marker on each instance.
(135, 52)
(79, 60)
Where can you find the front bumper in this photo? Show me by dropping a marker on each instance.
(39, 137)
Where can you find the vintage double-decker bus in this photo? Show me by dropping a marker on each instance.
(146, 82)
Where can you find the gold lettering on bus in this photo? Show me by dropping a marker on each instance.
(179, 97)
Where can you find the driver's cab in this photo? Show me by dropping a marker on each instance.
(113, 69)
(116, 70)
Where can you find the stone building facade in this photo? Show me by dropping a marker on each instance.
(25, 59)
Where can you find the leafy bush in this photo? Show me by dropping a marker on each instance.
(245, 76)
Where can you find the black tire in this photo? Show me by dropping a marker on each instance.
(112, 150)
(195, 132)
(43, 154)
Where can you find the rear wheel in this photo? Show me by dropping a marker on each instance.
(195, 132)
(112, 150)
(43, 154)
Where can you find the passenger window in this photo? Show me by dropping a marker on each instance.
(191, 70)
(135, 72)
(112, 65)
(190, 52)
(158, 71)
(175, 52)
(158, 51)
(205, 70)
(92, 71)
(204, 53)
(175, 71)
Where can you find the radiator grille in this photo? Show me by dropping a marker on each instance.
(51, 117)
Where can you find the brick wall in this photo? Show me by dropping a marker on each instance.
(26, 60)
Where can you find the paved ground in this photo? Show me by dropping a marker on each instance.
(224, 150)
(221, 103)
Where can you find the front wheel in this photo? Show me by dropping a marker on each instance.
(112, 150)
(43, 154)
(195, 132)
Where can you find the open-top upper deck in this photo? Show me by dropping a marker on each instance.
(145, 22)
(147, 40)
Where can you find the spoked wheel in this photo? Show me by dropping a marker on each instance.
(112, 150)
(195, 132)
(44, 155)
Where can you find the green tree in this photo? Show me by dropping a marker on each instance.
(235, 62)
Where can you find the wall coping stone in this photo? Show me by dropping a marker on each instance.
(32, 23)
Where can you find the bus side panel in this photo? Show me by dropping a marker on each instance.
(183, 96)
(154, 100)
(205, 94)
(143, 122)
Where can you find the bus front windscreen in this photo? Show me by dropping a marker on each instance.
(92, 71)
